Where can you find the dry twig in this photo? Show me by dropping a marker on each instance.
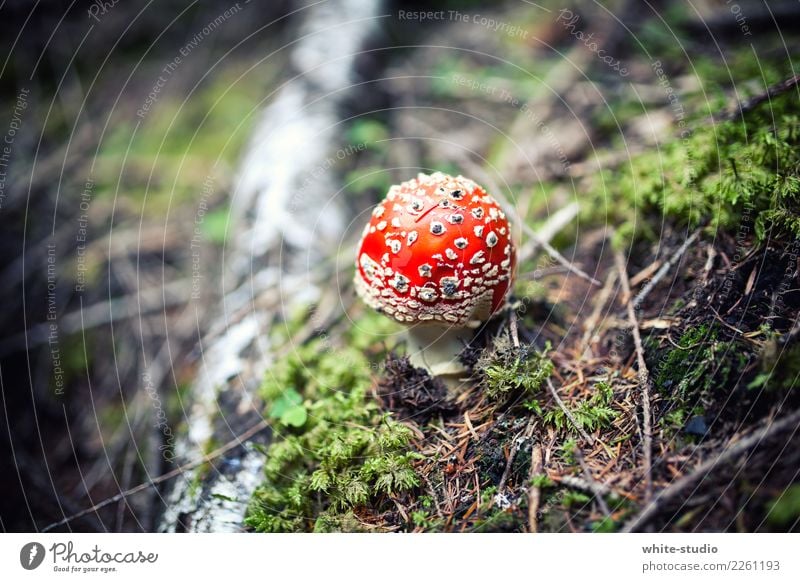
(586, 436)
(535, 492)
(680, 486)
(665, 269)
(644, 376)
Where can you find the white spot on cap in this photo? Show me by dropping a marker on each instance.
(478, 230)
(450, 254)
(437, 228)
(412, 237)
(378, 211)
(395, 245)
(477, 258)
(461, 243)
(371, 268)
(425, 270)
(381, 225)
(427, 294)
(491, 239)
(455, 218)
(396, 222)
(477, 213)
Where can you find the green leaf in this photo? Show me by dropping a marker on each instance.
(295, 416)
(759, 380)
(289, 398)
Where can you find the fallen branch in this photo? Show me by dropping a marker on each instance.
(512, 454)
(679, 487)
(146, 300)
(772, 91)
(541, 239)
(602, 299)
(232, 444)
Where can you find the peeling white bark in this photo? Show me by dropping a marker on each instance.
(278, 209)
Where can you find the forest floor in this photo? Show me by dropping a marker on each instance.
(663, 396)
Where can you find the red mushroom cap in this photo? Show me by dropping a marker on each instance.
(437, 249)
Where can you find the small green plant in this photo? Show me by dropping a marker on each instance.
(575, 499)
(508, 369)
(591, 414)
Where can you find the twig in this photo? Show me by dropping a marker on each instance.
(541, 239)
(664, 269)
(602, 299)
(535, 492)
(586, 436)
(595, 485)
(536, 242)
(644, 376)
(512, 454)
(146, 300)
(434, 496)
(245, 436)
(512, 324)
(679, 487)
(772, 91)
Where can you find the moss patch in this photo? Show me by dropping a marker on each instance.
(335, 456)
(743, 172)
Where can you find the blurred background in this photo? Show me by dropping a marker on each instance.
(171, 168)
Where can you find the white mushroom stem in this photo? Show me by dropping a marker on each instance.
(436, 347)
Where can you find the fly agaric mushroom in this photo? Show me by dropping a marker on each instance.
(437, 256)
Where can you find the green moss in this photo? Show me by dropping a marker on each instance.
(784, 510)
(700, 362)
(730, 174)
(591, 414)
(780, 368)
(333, 451)
(507, 369)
